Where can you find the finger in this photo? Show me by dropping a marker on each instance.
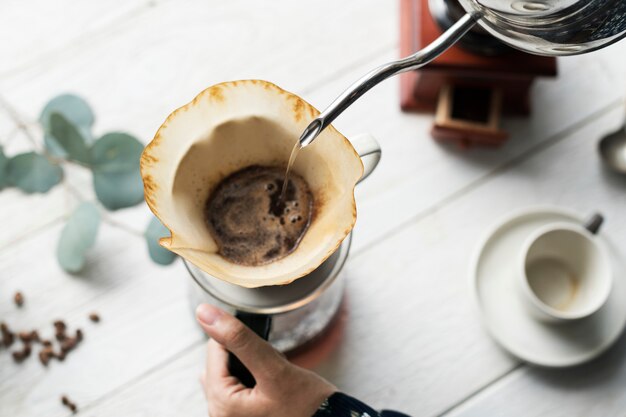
(217, 382)
(216, 362)
(255, 353)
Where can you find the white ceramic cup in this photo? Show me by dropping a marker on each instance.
(564, 272)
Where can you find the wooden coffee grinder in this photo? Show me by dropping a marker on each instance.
(471, 85)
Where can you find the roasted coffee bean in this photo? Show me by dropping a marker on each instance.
(29, 337)
(94, 317)
(45, 355)
(21, 355)
(46, 343)
(69, 404)
(18, 299)
(7, 335)
(60, 356)
(68, 344)
(18, 356)
(79, 335)
(59, 330)
(7, 339)
(59, 326)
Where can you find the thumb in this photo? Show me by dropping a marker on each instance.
(263, 361)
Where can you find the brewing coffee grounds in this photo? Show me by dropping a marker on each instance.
(248, 220)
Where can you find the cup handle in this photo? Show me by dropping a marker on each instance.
(369, 150)
(259, 324)
(594, 222)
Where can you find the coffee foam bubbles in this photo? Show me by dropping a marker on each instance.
(250, 223)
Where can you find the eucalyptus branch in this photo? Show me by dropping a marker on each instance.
(59, 161)
(66, 120)
(69, 191)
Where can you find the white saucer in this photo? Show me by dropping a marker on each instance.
(508, 320)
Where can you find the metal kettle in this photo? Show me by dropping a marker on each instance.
(540, 27)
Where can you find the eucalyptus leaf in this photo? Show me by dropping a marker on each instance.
(158, 253)
(116, 152)
(53, 147)
(78, 235)
(4, 161)
(75, 110)
(116, 177)
(118, 189)
(73, 107)
(69, 138)
(33, 173)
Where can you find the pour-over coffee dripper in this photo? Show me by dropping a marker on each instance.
(232, 126)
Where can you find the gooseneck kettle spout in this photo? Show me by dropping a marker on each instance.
(377, 75)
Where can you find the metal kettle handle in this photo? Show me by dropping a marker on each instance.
(259, 324)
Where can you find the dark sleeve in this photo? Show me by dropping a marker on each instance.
(342, 405)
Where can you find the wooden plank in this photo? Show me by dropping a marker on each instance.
(595, 389)
(43, 210)
(7, 128)
(34, 29)
(179, 389)
(161, 59)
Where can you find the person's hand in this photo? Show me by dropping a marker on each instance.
(282, 389)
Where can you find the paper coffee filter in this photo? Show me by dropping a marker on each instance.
(228, 127)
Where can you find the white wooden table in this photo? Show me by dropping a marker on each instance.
(413, 341)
